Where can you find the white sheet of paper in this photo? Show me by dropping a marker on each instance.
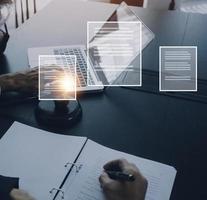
(85, 184)
(37, 157)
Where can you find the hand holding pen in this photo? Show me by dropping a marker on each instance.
(122, 180)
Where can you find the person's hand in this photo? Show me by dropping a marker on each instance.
(20, 195)
(27, 81)
(120, 190)
(24, 82)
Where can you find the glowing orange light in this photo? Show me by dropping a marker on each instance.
(67, 83)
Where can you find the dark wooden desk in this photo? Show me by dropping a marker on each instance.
(165, 129)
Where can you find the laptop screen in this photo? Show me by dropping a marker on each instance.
(116, 43)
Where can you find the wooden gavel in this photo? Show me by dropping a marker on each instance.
(172, 5)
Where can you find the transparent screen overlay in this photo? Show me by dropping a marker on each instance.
(178, 68)
(57, 77)
(113, 47)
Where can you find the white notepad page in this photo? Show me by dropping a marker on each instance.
(85, 185)
(37, 157)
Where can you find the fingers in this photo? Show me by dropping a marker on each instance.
(116, 165)
(124, 166)
(104, 179)
(119, 190)
(107, 183)
(20, 195)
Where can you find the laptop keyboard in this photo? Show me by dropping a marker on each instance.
(81, 66)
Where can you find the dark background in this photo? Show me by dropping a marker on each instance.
(158, 127)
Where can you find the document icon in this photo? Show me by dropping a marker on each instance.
(111, 48)
(57, 77)
(178, 68)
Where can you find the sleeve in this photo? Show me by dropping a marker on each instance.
(6, 185)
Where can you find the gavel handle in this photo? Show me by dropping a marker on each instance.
(61, 106)
(172, 5)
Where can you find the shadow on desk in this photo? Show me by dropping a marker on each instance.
(21, 107)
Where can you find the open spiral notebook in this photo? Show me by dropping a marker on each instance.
(55, 167)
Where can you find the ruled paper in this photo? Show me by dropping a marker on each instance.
(85, 185)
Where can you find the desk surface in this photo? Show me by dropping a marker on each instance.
(165, 129)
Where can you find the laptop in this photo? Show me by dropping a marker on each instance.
(91, 81)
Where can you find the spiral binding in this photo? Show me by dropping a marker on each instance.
(58, 190)
(77, 167)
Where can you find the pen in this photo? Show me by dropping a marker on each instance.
(121, 176)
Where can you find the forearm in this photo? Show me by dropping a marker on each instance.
(7, 83)
(25, 82)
